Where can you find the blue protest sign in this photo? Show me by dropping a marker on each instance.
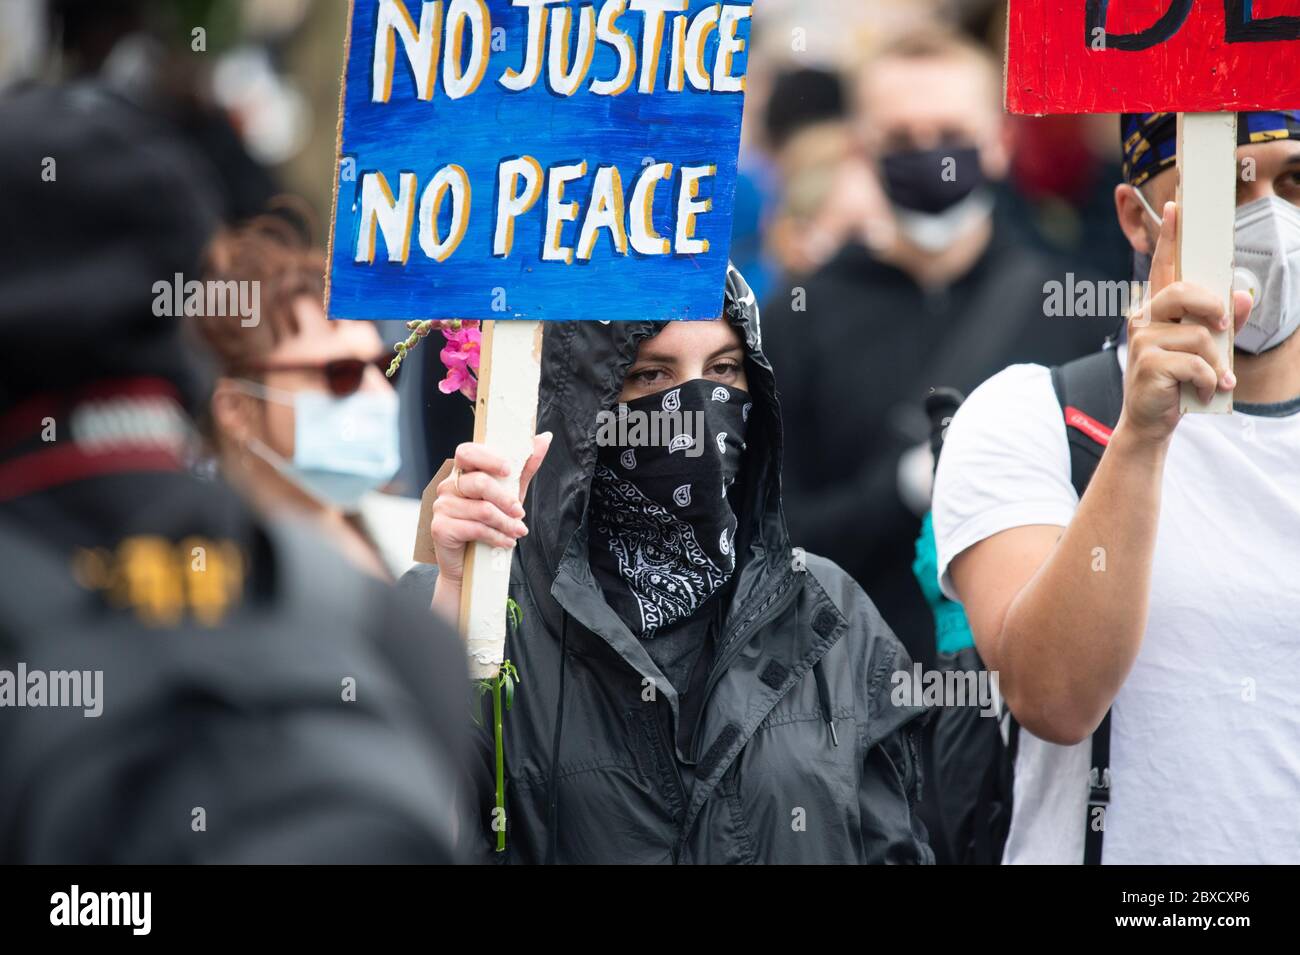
(537, 159)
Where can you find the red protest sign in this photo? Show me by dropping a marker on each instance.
(1111, 56)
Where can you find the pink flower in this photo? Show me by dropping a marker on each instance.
(459, 379)
(461, 357)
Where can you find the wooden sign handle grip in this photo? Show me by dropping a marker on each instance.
(1207, 205)
(505, 419)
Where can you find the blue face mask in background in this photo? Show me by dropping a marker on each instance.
(343, 448)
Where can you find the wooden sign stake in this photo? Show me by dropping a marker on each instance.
(1207, 202)
(505, 419)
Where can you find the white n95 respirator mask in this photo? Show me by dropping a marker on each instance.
(1267, 264)
(1266, 260)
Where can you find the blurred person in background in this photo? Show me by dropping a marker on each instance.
(24, 33)
(145, 51)
(302, 418)
(827, 195)
(242, 664)
(1058, 189)
(945, 295)
(825, 190)
(799, 98)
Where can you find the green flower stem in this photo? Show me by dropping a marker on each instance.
(419, 329)
(501, 759)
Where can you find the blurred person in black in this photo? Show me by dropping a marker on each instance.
(261, 701)
(937, 292)
(1058, 191)
(801, 98)
(824, 192)
(143, 50)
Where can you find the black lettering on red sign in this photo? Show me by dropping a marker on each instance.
(1169, 23)
(1244, 28)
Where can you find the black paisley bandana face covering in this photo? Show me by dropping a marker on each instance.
(662, 531)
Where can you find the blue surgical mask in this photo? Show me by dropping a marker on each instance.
(343, 448)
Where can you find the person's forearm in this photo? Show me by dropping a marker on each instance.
(1070, 637)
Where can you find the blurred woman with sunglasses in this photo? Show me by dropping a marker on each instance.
(302, 418)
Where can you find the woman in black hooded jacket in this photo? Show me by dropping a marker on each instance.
(693, 689)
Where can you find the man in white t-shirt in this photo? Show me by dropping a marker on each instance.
(1170, 593)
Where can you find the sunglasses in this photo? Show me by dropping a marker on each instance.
(343, 376)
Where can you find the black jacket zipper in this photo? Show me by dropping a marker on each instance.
(731, 646)
(781, 599)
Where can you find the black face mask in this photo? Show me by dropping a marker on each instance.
(922, 180)
(662, 531)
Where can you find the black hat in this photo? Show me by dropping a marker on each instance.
(800, 98)
(102, 202)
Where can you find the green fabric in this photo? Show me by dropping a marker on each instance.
(951, 630)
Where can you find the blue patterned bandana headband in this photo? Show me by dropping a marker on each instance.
(1149, 140)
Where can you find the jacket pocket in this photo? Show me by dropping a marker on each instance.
(797, 792)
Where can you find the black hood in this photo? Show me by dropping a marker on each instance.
(583, 367)
(102, 202)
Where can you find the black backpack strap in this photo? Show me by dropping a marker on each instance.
(1091, 393)
(940, 406)
(1098, 793)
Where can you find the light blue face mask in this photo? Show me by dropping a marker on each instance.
(343, 448)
